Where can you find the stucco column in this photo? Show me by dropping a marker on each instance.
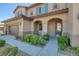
(32, 27)
(64, 26)
(20, 28)
(5, 28)
(44, 27)
(74, 25)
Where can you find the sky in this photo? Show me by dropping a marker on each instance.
(6, 9)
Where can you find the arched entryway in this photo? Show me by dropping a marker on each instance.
(55, 27)
(37, 27)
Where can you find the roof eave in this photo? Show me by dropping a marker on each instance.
(17, 17)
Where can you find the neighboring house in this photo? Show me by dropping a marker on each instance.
(1, 27)
(52, 18)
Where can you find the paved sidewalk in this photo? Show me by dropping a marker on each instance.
(50, 49)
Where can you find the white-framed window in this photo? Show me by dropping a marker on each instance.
(38, 10)
(55, 6)
(19, 13)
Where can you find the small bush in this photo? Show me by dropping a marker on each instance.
(13, 51)
(46, 36)
(2, 33)
(34, 39)
(42, 42)
(18, 37)
(77, 51)
(63, 42)
(27, 38)
(2, 43)
(69, 49)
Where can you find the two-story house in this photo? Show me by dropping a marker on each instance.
(52, 18)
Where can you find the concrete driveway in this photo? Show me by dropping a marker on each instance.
(51, 49)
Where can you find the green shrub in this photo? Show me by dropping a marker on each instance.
(2, 43)
(77, 51)
(63, 42)
(42, 42)
(2, 33)
(34, 39)
(18, 37)
(46, 36)
(13, 51)
(27, 37)
(68, 49)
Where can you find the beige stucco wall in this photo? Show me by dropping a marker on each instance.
(27, 26)
(51, 28)
(74, 24)
(63, 17)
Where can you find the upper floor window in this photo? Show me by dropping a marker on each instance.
(55, 6)
(42, 9)
(31, 13)
(38, 10)
(19, 13)
(46, 8)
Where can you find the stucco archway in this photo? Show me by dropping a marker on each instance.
(37, 27)
(55, 27)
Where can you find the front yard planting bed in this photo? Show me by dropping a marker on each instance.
(8, 50)
(34, 39)
(2, 43)
(65, 47)
(1, 33)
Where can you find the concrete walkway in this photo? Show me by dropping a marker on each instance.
(51, 49)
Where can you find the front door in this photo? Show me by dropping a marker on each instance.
(58, 27)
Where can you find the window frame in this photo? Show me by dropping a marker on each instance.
(38, 10)
(18, 13)
(31, 13)
(55, 6)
